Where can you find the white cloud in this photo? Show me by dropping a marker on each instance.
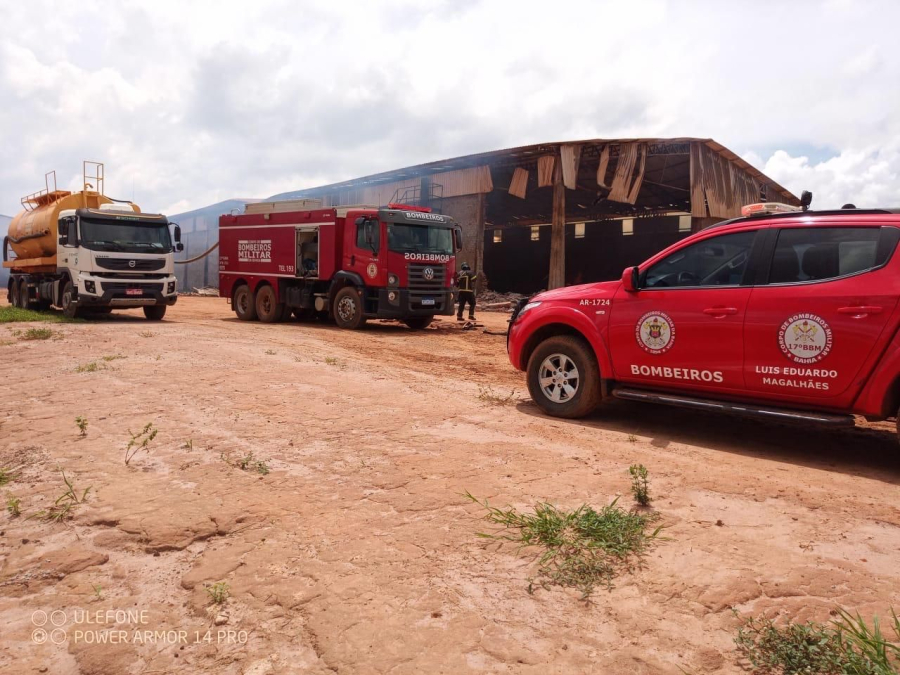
(196, 102)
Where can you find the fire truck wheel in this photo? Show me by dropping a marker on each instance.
(24, 301)
(268, 309)
(244, 303)
(563, 377)
(155, 312)
(348, 311)
(418, 322)
(69, 302)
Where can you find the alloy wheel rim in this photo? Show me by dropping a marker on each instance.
(559, 378)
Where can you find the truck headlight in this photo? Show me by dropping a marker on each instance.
(392, 296)
(528, 308)
(393, 280)
(170, 288)
(90, 287)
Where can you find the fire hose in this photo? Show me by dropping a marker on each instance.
(202, 255)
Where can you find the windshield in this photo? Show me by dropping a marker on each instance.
(420, 239)
(108, 235)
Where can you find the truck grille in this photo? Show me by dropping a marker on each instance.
(128, 264)
(121, 289)
(421, 286)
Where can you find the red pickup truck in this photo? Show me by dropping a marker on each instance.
(781, 314)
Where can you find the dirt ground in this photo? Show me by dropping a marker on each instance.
(357, 552)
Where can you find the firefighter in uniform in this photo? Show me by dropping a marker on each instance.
(465, 282)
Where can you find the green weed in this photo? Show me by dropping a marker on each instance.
(251, 463)
(139, 441)
(37, 334)
(218, 592)
(82, 425)
(640, 484)
(12, 506)
(65, 504)
(580, 549)
(846, 646)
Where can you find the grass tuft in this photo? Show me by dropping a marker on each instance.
(218, 592)
(37, 334)
(64, 506)
(581, 549)
(846, 646)
(16, 315)
(12, 506)
(82, 424)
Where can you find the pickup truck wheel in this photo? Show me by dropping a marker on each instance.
(155, 312)
(243, 303)
(563, 377)
(348, 311)
(268, 309)
(69, 302)
(418, 322)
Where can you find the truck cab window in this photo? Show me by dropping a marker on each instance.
(820, 253)
(72, 231)
(718, 261)
(361, 235)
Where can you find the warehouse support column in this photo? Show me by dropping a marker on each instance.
(479, 242)
(557, 277)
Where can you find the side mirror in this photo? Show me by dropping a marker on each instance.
(179, 247)
(359, 221)
(457, 238)
(177, 232)
(63, 237)
(631, 279)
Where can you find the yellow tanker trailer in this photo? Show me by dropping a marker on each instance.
(84, 251)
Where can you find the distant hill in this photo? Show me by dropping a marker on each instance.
(4, 273)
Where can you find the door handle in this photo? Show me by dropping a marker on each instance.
(352, 260)
(720, 311)
(860, 310)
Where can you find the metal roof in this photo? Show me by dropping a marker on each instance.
(520, 155)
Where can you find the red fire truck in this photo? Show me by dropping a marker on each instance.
(781, 314)
(349, 263)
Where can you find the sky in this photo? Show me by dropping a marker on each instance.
(190, 102)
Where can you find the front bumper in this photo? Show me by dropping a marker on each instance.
(120, 292)
(405, 305)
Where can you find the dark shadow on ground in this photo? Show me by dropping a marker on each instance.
(867, 450)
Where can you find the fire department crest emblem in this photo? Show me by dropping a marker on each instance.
(372, 270)
(655, 332)
(805, 338)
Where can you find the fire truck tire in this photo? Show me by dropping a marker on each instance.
(418, 322)
(155, 312)
(24, 301)
(244, 303)
(69, 301)
(563, 377)
(268, 309)
(348, 309)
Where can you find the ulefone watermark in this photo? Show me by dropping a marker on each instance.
(119, 626)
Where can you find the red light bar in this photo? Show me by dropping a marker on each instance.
(766, 208)
(408, 207)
